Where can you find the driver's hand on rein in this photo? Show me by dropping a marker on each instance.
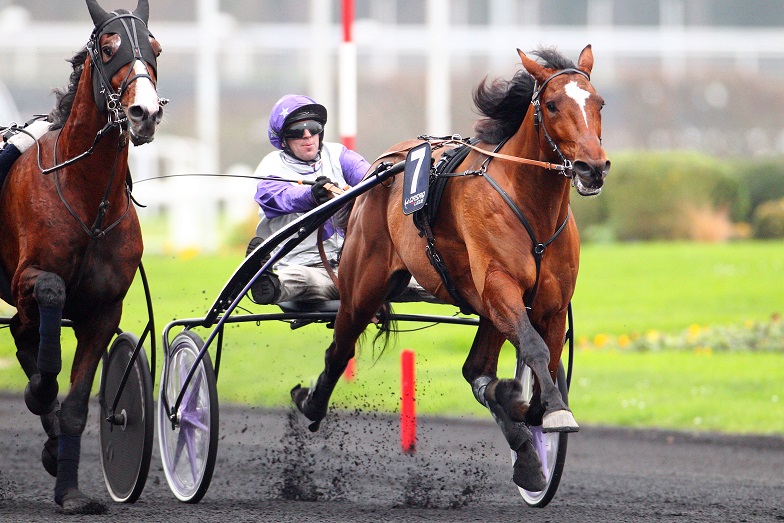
(323, 189)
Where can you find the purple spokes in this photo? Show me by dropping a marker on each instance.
(540, 444)
(192, 422)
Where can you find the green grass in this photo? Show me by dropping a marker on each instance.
(622, 289)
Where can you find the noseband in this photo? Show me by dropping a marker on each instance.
(539, 119)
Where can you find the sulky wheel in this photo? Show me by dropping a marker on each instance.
(189, 443)
(127, 433)
(550, 446)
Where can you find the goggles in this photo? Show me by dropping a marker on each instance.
(297, 130)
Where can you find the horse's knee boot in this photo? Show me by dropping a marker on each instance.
(49, 292)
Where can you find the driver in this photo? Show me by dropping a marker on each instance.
(296, 129)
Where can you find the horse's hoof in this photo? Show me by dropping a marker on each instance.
(75, 502)
(299, 395)
(559, 421)
(40, 401)
(49, 456)
(528, 469)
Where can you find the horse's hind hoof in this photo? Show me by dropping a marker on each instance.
(559, 421)
(75, 502)
(49, 456)
(528, 469)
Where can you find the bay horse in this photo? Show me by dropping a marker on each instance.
(506, 237)
(70, 237)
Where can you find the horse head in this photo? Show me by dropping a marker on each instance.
(567, 114)
(123, 57)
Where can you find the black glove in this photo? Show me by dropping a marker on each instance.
(319, 192)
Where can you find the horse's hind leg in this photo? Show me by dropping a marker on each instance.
(352, 318)
(314, 401)
(503, 399)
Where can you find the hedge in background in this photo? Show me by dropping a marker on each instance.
(664, 196)
(768, 220)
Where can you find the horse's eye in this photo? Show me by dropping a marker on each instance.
(107, 52)
(551, 107)
(156, 47)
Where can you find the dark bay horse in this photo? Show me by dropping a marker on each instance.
(506, 237)
(70, 242)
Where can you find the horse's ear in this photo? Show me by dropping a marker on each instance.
(143, 10)
(533, 67)
(585, 62)
(97, 13)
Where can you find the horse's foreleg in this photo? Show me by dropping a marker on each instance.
(41, 391)
(534, 352)
(503, 398)
(92, 340)
(504, 305)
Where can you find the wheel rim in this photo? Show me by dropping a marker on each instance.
(126, 448)
(546, 445)
(185, 449)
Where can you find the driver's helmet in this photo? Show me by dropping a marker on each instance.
(290, 109)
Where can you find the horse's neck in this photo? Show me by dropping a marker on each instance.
(541, 194)
(79, 133)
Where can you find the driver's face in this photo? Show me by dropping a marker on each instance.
(305, 148)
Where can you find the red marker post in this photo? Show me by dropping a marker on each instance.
(407, 402)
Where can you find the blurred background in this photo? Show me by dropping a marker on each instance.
(694, 121)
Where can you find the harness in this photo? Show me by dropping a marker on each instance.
(424, 218)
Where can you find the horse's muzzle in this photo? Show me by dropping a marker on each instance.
(142, 124)
(589, 177)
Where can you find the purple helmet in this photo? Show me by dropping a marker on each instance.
(290, 109)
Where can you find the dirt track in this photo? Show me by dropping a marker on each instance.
(270, 468)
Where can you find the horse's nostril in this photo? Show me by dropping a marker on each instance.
(137, 112)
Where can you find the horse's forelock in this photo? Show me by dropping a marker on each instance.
(552, 59)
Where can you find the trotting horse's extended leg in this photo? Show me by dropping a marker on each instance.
(504, 305)
(93, 337)
(41, 391)
(39, 355)
(314, 401)
(358, 306)
(26, 337)
(503, 399)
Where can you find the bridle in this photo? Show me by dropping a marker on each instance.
(566, 168)
(108, 101)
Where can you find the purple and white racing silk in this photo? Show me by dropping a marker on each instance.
(283, 202)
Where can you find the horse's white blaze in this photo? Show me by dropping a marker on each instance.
(579, 95)
(146, 95)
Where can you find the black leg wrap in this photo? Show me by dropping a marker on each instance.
(68, 448)
(49, 359)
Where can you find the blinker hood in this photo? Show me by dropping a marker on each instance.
(134, 45)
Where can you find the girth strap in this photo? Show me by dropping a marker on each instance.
(425, 217)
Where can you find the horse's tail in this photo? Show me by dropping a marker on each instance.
(387, 329)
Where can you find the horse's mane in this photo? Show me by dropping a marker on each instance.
(65, 97)
(504, 103)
